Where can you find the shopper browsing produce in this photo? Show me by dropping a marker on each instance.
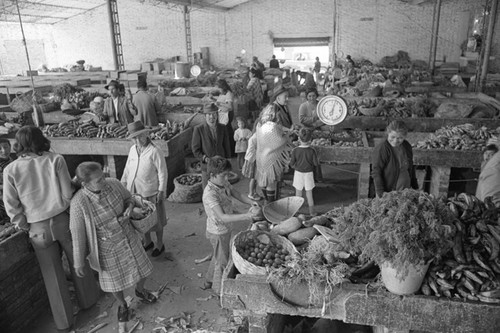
(273, 152)
(255, 89)
(392, 161)
(146, 104)
(488, 184)
(248, 169)
(102, 232)
(488, 153)
(146, 174)
(220, 214)
(279, 102)
(37, 193)
(305, 161)
(118, 108)
(308, 116)
(209, 139)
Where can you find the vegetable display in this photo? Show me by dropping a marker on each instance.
(89, 129)
(262, 254)
(402, 227)
(460, 137)
(470, 271)
(189, 179)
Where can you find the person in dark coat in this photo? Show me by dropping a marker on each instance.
(279, 102)
(210, 139)
(392, 161)
(274, 63)
(118, 108)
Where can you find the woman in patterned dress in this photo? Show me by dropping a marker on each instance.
(102, 232)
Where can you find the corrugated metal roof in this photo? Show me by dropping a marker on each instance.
(54, 11)
(46, 11)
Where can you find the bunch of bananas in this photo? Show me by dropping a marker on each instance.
(471, 270)
(460, 137)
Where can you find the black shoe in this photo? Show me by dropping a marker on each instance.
(146, 296)
(122, 314)
(157, 252)
(149, 246)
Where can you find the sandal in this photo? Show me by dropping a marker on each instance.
(146, 296)
(122, 314)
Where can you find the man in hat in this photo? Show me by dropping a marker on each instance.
(117, 108)
(279, 101)
(210, 139)
(146, 104)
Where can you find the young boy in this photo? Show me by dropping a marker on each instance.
(219, 209)
(304, 160)
(5, 158)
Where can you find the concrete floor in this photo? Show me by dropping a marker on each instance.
(185, 241)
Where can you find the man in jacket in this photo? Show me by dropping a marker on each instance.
(210, 139)
(117, 108)
(146, 104)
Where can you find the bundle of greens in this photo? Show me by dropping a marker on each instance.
(403, 227)
(320, 267)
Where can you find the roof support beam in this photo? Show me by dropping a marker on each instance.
(199, 5)
(43, 4)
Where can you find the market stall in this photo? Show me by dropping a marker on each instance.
(406, 261)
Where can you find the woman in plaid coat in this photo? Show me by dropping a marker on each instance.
(102, 232)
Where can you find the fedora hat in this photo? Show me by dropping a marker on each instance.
(136, 128)
(280, 90)
(210, 108)
(112, 83)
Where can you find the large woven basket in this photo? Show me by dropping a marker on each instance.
(145, 224)
(282, 209)
(246, 267)
(24, 102)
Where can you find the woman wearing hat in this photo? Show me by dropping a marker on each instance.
(279, 103)
(273, 152)
(146, 174)
(117, 108)
(210, 139)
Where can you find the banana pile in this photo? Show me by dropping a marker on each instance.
(471, 270)
(460, 137)
(85, 129)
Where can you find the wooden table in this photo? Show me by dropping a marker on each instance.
(251, 296)
(174, 150)
(440, 160)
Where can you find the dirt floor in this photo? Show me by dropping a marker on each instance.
(183, 304)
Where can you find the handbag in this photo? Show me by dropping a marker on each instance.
(149, 221)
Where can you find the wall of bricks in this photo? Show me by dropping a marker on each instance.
(22, 291)
(365, 28)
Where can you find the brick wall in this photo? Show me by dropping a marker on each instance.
(22, 291)
(366, 28)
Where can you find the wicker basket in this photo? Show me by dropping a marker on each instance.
(282, 209)
(24, 102)
(145, 224)
(246, 267)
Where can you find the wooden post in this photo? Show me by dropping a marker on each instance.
(487, 46)
(364, 173)
(440, 180)
(110, 165)
(434, 37)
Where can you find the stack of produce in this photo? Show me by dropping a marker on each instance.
(471, 270)
(460, 137)
(89, 129)
(77, 96)
(189, 179)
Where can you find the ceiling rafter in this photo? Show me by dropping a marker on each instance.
(43, 4)
(198, 5)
